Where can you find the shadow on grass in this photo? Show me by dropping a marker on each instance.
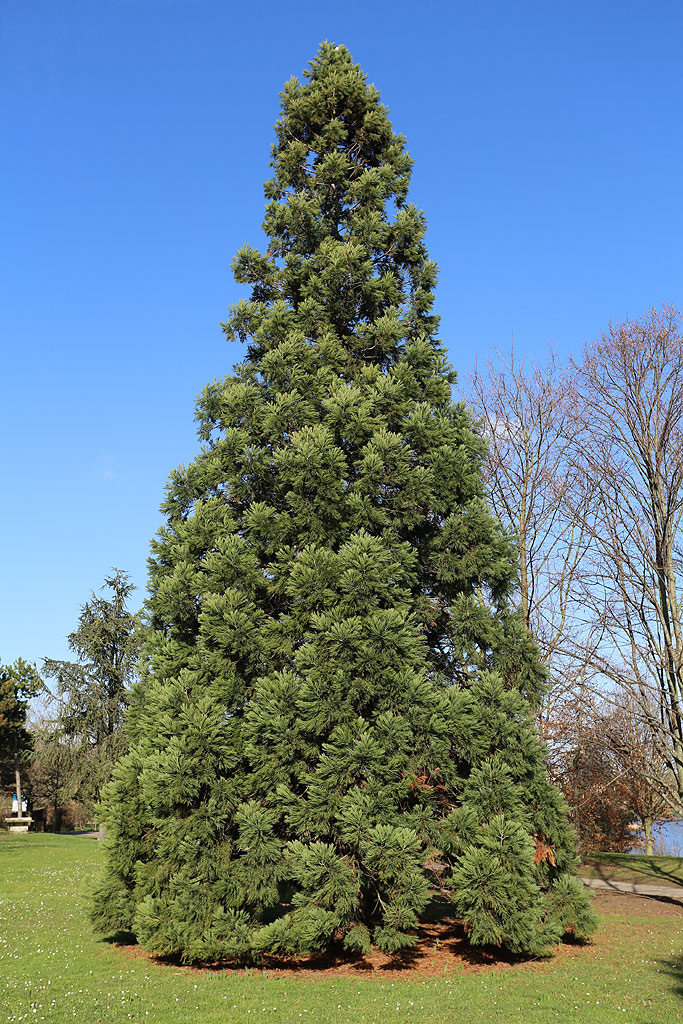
(666, 870)
(648, 897)
(442, 947)
(674, 969)
(660, 873)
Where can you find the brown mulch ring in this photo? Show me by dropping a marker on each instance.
(442, 949)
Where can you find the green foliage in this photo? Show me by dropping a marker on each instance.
(335, 684)
(92, 692)
(54, 767)
(19, 684)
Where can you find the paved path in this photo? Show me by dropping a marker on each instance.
(671, 892)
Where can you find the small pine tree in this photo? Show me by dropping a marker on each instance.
(335, 688)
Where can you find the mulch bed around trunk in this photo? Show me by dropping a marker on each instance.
(442, 949)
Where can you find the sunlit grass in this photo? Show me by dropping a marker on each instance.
(52, 968)
(634, 867)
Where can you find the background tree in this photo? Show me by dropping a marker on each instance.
(92, 692)
(19, 684)
(638, 755)
(529, 423)
(53, 768)
(629, 395)
(595, 782)
(584, 467)
(336, 684)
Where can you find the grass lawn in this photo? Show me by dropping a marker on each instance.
(633, 867)
(52, 968)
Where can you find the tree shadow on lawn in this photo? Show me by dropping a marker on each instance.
(626, 864)
(674, 968)
(643, 897)
(659, 874)
(442, 948)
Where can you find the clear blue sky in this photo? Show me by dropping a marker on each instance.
(548, 147)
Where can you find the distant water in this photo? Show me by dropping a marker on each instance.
(667, 839)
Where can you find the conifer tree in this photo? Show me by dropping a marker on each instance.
(336, 690)
(92, 692)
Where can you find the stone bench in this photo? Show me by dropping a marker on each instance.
(18, 823)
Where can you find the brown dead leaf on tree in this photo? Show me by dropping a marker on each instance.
(543, 852)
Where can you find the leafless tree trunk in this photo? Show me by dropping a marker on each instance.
(636, 753)
(527, 419)
(586, 468)
(628, 392)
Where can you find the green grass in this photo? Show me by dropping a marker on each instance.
(633, 867)
(52, 968)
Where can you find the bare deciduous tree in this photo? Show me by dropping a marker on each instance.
(628, 391)
(585, 467)
(635, 751)
(595, 781)
(528, 422)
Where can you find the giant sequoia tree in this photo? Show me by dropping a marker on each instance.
(336, 689)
